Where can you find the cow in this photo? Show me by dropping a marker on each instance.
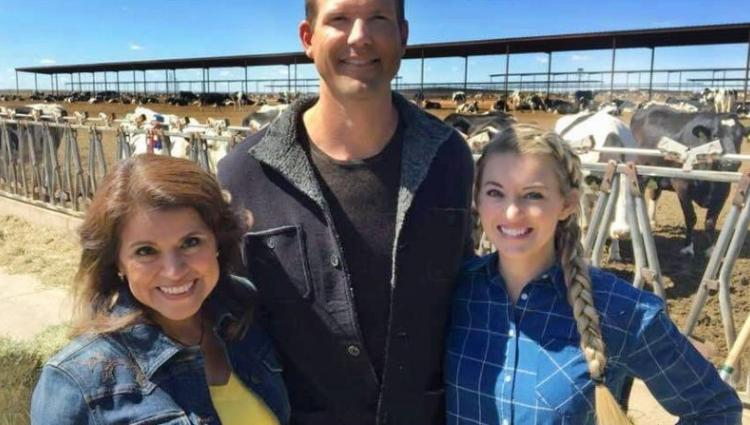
(584, 99)
(606, 131)
(468, 108)
(520, 102)
(536, 102)
(560, 106)
(692, 130)
(263, 116)
(470, 124)
(428, 104)
(501, 105)
(724, 101)
(515, 100)
(213, 99)
(183, 98)
(458, 97)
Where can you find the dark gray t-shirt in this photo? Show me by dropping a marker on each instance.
(362, 196)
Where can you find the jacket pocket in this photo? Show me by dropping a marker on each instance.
(563, 382)
(277, 263)
(165, 418)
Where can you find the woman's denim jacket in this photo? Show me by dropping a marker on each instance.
(139, 375)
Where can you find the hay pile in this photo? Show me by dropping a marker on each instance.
(49, 254)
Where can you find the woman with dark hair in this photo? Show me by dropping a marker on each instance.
(163, 332)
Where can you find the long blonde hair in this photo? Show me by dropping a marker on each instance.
(528, 140)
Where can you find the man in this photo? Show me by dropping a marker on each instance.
(361, 206)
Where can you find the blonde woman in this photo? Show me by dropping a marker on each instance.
(538, 337)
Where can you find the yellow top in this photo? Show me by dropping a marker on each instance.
(237, 405)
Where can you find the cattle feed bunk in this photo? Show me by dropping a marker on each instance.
(716, 277)
(31, 171)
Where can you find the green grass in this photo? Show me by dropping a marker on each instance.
(20, 365)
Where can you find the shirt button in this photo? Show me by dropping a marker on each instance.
(507, 378)
(335, 260)
(353, 350)
(270, 243)
(511, 333)
(524, 296)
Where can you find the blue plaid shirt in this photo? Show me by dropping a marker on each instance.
(523, 364)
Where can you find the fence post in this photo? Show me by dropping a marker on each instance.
(651, 75)
(747, 67)
(612, 71)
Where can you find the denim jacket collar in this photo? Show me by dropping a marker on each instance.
(151, 348)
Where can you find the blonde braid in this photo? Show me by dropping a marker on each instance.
(529, 140)
(580, 295)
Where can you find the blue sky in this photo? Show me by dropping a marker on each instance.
(34, 33)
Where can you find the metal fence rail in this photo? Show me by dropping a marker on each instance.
(41, 161)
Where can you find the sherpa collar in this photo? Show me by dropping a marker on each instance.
(280, 149)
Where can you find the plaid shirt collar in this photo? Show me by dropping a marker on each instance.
(552, 276)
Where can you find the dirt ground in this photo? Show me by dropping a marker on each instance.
(682, 274)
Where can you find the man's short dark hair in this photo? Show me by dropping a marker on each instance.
(311, 11)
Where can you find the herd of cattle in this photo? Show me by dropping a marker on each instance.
(720, 100)
(651, 125)
(689, 123)
(182, 98)
(144, 130)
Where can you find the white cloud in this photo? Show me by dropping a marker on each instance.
(134, 46)
(580, 58)
(46, 61)
(541, 59)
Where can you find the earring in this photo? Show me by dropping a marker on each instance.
(121, 276)
(217, 254)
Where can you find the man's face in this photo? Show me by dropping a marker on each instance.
(356, 46)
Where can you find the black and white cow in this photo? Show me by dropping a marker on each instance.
(470, 125)
(690, 129)
(429, 104)
(263, 116)
(606, 131)
(560, 106)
